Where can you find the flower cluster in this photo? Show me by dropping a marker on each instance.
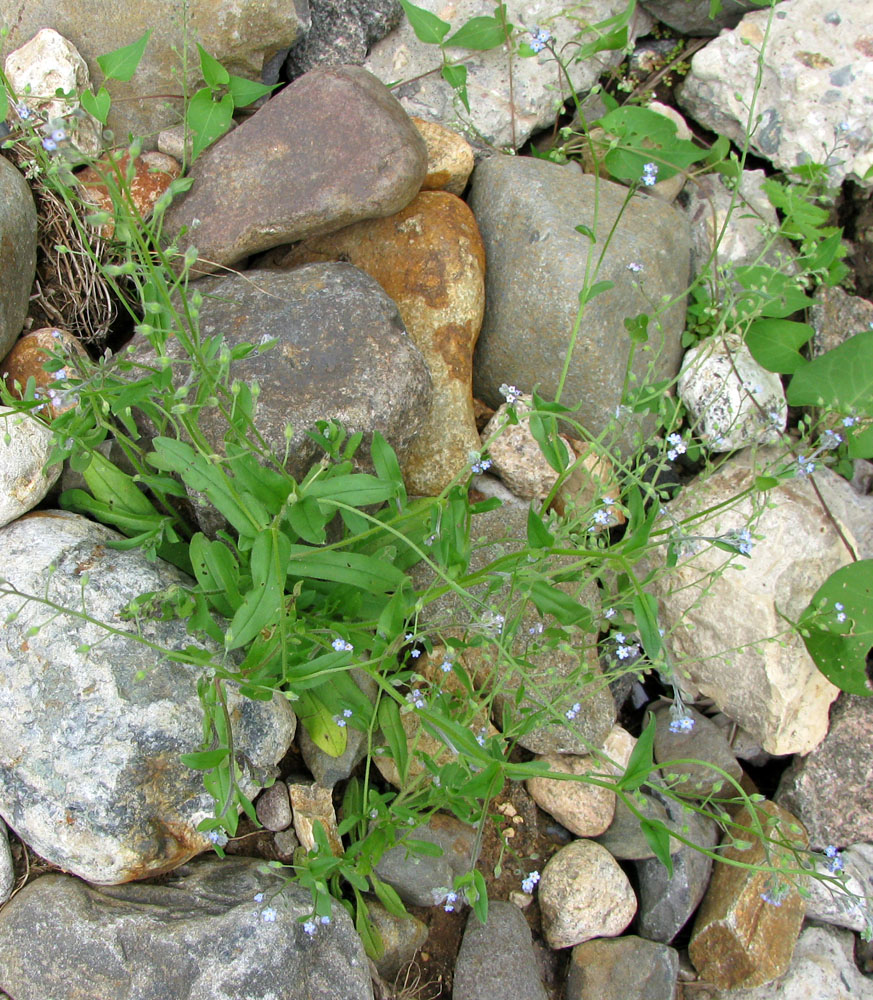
(540, 37)
(510, 393)
(650, 174)
(480, 465)
(624, 649)
(217, 838)
(835, 860)
(310, 926)
(573, 711)
(681, 724)
(451, 899)
(839, 608)
(341, 646)
(528, 883)
(340, 720)
(677, 446)
(805, 467)
(415, 697)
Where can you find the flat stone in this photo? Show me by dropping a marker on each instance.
(527, 211)
(17, 252)
(583, 809)
(449, 158)
(497, 958)
(273, 807)
(739, 939)
(692, 17)
(25, 446)
(706, 744)
(342, 33)
(199, 934)
(625, 967)
(90, 775)
(717, 630)
(429, 259)
(831, 789)
(375, 171)
(817, 76)
(584, 894)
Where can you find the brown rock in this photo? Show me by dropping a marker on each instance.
(276, 179)
(584, 809)
(311, 804)
(274, 807)
(29, 355)
(430, 260)
(620, 968)
(449, 158)
(739, 939)
(153, 173)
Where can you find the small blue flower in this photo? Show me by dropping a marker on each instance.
(409, 637)
(415, 697)
(451, 899)
(772, 899)
(804, 466)
(830, 440)
(259, 897)
(602, 517)
(650, 174)
(539, 38)
(309, 927)
(268, 915)
(620, 637)
(340, 721)
(572, 712)
(341, 646)
(849, 421)
(510, 393)
(609, 613)
(446, 666)
(59, 135)
(347, 713)
(23, 111)
(217, 837)
(480, 466)
(635, 267)
(528, 883)
(49, 144)
(835, 860)
(682, 724)
(325, 919)
(415, 653)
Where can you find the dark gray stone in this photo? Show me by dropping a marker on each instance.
(705, 744)
(17, 252)
(497, 958)
(624, 839)
(278, 177)
(605, 969)
(527, 211)
(94, 721)
(273, 807)
(328, 770)
(691, 17)
(198, 935)
(342, 33)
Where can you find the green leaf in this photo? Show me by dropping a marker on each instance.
(4, 104)
(208, 119)
(245, 92)
(658, 837)
(549, 600)
(262, 605)
(214, 74)
(388, 897)
(840, 648)
(480, 903)
(775, 343)
(423, 847)
(842, 379)
(204, 760)
(367, 572)
(641, 762)
(395, 736)
(479, 33)
(318, 721)
(646, 616)
(613, 41)
(538, 535)
(359, 489)
(369, 934)
(122, 63)
(545, 433)
(217, 572)
(386, 465)
(307, 519)
(428, 27)
(598, 288)
(456, 78)
(97, 105)
(638, 328)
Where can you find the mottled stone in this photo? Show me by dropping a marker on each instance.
(704, 745)
(25, 446)
(740, 939)
(449, 158)
(429, 259)
(402, 937)
(584, 894)
(831, 790)
(842, 903)
(342, 33)
(151, 175)
(274, 807)
(837, 316)
(816, 77)
(624, 839)
(373, 172)
(196, 935)
(718, 631)
(7, 871)
(527, 211)
(29, 355)
(618, 969)
(95, 721)
(732, 401)
(312, 804)
(584, 809)
(17, 252)
(692, 17)
(497, 958)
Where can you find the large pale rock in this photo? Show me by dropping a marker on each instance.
(817, 76)
(373, 172)
(719, 631)
(527, 212)
(25, 446)
(507, 103)
(692, 17)
(831, 790)
(584, 894)
(618, 969)
(17, 252)
(242, 34)
(198, 935)
(342, 354)
(740, 939)
(430, 260)
(402, 937)
(95, 721)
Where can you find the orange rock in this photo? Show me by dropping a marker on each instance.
(154, 172)
(29, 355)
(449, 158)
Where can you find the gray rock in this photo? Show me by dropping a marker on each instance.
(622, 968)
(705, 743)
(817, 76)
(837, 316)
(90, 775)
(7, 871)
(421, 880)
(274, 807)
(842, 904)
(197, 935)
(342, 354)
(831, 790)
(624, 839)
(691, 17)
(505, 108)
(527, 210)
(328, 770)
(402, 937)
(342, 32)
(375, 169)
(242, 37)
(25, 446)
(497, 958)
(17, 252)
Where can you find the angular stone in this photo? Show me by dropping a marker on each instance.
(17, 252)
(342, 33)
(732, 401)
(242, 36)
(625, 967)
(312, 804)
(373, 172)
(342, 354)
(429, 259)
(831, 790)
(449, 158)
(772, 689)
(739, 939)
(844, 904)
(196, 935)
(584, 894)
(402, 937)
(704, 743)
(153, 172)
(28, 357)
(624, 839)
(692, 17)
(837, 316)
(90, 775)
(25, 446)
(497, 958)
(419, 879)
(817, 76)
(527, 211)
(274, 807)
